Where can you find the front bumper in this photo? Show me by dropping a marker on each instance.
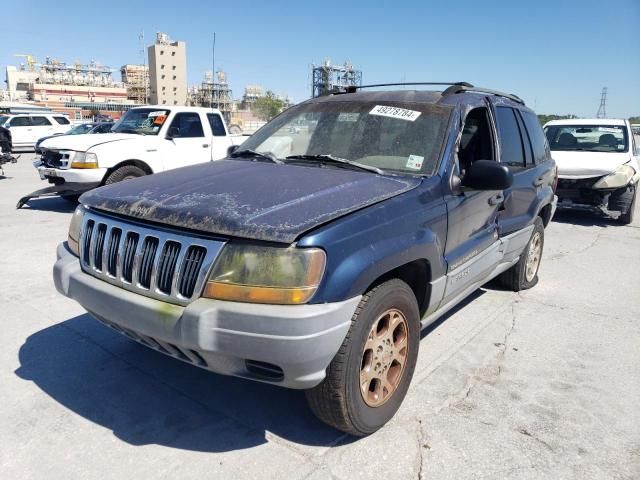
(89, 176)
(580, 195)
(287, 345)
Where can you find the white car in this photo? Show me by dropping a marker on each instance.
(145, 140)
(597, 165)
(26, 129)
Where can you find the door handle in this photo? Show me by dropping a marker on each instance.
(496, 199)
(205, 145)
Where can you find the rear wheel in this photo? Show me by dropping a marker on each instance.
(125, 172)
(524, 274)
(369, 376)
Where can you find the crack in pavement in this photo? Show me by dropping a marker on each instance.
(420, 438)
(526, 433)
(560, 255)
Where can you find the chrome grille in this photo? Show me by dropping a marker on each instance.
(157, 263)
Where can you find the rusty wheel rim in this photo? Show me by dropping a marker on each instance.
(384, 357)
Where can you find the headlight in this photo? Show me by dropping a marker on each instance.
(256, 274)
(84, 160)
(74, 230)
(619, 178)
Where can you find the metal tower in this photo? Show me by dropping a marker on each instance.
(602, 111)
(327, 76)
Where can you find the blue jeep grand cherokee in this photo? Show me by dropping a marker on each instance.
(312, 257)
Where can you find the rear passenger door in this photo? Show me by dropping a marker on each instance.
(516, 152)
(219, 142)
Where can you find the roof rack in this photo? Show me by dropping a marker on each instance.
(354, 88)
(456, 88)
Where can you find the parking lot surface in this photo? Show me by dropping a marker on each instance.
(541, 384)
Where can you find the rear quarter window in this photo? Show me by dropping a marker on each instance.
(62, 120)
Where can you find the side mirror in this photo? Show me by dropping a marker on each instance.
(487, 175)
(172, 132)
(232, 149)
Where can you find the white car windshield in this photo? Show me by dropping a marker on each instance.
(143, 121)
(395, 138)
(588, 138)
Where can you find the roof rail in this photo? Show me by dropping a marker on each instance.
(453, 89)
(354, 88)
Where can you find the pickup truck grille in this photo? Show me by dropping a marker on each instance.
(157, 263)
(51, 158)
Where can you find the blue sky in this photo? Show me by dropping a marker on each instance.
(557, 55)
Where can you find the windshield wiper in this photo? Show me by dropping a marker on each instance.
(337, 160)
(253, 154)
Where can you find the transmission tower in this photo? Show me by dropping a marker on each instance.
(602, 111)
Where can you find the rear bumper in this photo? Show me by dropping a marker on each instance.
(287, 345)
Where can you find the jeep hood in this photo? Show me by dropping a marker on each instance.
(254, 200)
(587, 164)
(82, 143)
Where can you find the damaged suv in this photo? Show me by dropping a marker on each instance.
(313, 256)
(597, 165)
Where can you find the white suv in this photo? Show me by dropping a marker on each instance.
(26, 129)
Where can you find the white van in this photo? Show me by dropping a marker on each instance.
(26, 129)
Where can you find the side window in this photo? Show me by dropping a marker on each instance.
(40, 121)
(511, 149)
(62, 120)
(186, 125)
(216, 124)
(476, 140)
(20, 122)
(526, 141)
(538, 139)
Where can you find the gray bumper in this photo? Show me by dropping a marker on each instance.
(287, 345)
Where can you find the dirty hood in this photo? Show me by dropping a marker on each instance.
(247, 199)
(82, 143)
(587, 164)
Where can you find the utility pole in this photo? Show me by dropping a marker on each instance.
(213, 68)
(602, 111)
(145, 73)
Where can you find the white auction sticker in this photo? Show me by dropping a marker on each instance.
(395, 112)
(348, 117)
(156, 114)
(414, 162)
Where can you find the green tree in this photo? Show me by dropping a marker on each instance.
(268, 106)
(547, 118)
(634, 119)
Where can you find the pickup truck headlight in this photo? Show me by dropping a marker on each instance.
(74, 230)
(84, 160)
(619, 178)
(257, 274)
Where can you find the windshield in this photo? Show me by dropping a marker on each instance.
(587, 138)
(400, 138)
(80, 129)
(145, 121)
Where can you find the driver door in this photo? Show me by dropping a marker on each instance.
(186, 143)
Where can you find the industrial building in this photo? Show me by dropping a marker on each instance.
(167, 71)
(136, 81)
(215, 94)
(78, 89)
(327, 77)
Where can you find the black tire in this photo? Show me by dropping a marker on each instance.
(627, 217)
(71, 198)
(125, 172)
(338, 400)
(516, 277)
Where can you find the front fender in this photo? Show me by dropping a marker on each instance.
(364, 246)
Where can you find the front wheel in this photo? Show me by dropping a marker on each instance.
(370, 375)
(126, 172)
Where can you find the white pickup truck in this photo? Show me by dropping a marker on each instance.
(145, 140)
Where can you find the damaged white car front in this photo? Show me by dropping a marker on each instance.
(597, 165)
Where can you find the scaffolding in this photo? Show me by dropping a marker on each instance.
(136, 80)
(327, 77)
(214, 94)
(55, 72)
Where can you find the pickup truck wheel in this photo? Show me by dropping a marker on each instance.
(524, 274)
(125, 172)
(369, 376)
